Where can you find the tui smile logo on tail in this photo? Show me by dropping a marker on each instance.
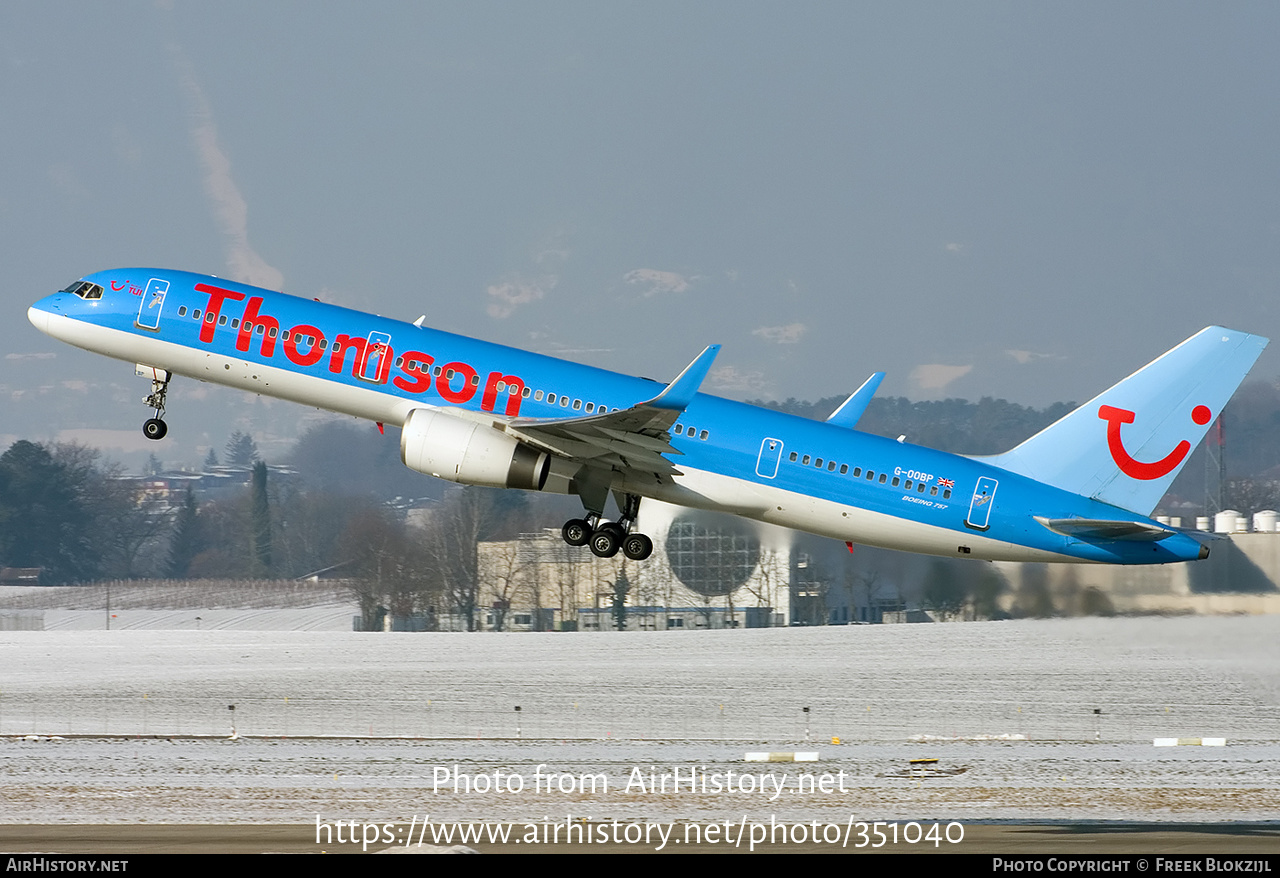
(1136, 469)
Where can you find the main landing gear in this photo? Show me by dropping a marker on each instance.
(156, 428)
(605, 539)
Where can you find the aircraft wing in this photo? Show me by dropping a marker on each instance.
(634, 438)
(1105, 529)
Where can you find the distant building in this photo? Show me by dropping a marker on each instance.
(702, 574)
(168, 488)
(20, 575)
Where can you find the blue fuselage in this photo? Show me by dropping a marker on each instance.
(770, 466)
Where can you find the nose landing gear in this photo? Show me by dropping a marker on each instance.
(156, 428)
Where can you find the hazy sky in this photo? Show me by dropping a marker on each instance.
(1022, 200)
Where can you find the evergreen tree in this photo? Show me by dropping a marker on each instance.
(210, 459)
(619, 602)
(45, 515)
(185, 544)
(260, 523)
(241, 450)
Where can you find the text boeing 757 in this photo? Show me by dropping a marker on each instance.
(484, 414)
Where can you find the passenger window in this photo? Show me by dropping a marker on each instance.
(209, 317)
(857, 471)
(806, 460)
(260, 328)
(818, 463)
(235, 323)
(680, 430)
(920, 488)
(475, 380)
(933, 492)
(196, 314)
(537, 397)
(883, 478)
(907, 485)
(794, 457)
(564, 402)
(591, 406)
(182, 312)
(703, 435)
(895, 481)
(222, 321)
(449, 375)
(399, 361)
(323, 342)
(946, 495)
(870, 475)
(831, 466)
(272, 332)
(844, 468)
(526, 393)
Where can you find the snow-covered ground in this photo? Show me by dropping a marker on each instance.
(1011, 703)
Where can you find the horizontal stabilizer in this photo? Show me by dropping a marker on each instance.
(850, 411)
(1091, 529)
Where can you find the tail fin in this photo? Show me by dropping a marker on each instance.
(1125, 446)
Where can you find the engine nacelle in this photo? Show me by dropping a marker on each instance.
(470, 453)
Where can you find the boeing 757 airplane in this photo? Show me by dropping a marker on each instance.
(483, 414)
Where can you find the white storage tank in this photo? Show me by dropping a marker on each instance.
(1202, 522)
(1225, 521)
(1265, 521)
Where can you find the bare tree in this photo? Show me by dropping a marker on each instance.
(566, 567)
(533, 583)
(504, 570)
(767, 582)
(376, 548)
(458, 525)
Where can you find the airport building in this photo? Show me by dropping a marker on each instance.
(699, 577)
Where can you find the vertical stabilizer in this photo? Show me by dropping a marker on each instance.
(1126, 445)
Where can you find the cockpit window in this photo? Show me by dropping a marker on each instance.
(84, 290)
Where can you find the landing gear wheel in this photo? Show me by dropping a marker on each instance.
(576, 532)
(604, 543)
(637, 547)
(615, 529)
(154, 428)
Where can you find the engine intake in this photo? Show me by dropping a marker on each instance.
(469, 453)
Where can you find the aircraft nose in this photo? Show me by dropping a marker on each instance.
(39, 318)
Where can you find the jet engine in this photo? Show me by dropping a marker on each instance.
(470, 453)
